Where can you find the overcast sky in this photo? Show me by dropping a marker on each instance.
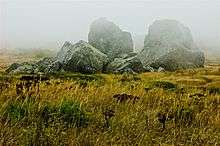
(48, 23)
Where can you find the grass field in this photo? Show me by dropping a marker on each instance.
(170, 108)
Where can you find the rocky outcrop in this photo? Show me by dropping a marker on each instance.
(67, 46)
(109, 38)
(169, 45)
(81, 57)
(26, 67)
(12, 67)
(127, 64)
(23, 68)
(43, 64)
(54, 67)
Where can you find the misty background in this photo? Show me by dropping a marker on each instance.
(47, 24)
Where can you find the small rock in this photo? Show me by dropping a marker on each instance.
(161, 69)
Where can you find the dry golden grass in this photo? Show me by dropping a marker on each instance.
(76, 109)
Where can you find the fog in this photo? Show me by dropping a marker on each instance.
(48, 23)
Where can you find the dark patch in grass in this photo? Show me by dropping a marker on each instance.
(70, 76)
(80, 78)
(213, 90)
(206, 79)
(163, 84)
(47, 114)
(108, 114)
(129, 78)
(14, 112)
(125, 97)
(72, 114)
(183, 116)
(5, 78)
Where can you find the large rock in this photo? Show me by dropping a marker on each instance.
(67, 46)
(129, 63)
(81, 57)
(25, 67)
(109, 38)
(170, 45)
(43, 64)
(12, 67)
(54, 67)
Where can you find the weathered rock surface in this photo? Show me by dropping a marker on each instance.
(81, 57)
(67, 46)
(127, 64)
(26, 67)
(12, 67)
(170, 45)
(43, 64)
(109, 38)
(23, 68)
(54, 67)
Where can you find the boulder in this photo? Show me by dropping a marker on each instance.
(43, 64)
(54, 67)
(26, 67)
(67, 46)
(170, 45)
(23, 68)
(126, 64)
(12, 67)
(109, 38)
(81, 57)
